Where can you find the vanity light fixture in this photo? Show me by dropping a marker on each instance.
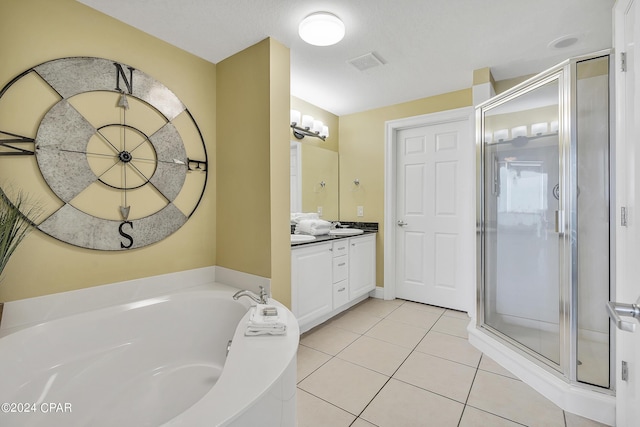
(321, 29)
(305, 125)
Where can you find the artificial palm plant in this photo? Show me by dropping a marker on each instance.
(14, 224)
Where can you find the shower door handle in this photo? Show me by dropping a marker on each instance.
(558, 221)
(617, 309)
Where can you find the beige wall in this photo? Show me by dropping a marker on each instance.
(253, 164)
(34, 31)
(333, 140)
(279, 162)
(362, 142)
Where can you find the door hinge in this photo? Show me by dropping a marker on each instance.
(623, 62)
(623, 216)
(625, 371)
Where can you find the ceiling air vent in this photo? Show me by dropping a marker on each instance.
(366, 61)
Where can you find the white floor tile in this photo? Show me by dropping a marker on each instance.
(344, 367)
(397, 333)
(450, 347)
(441, 376)
(399, 404)
(315, 412)
(328, 339)
(473, 417)
(375, 354)
(452, 326)
(414, 317)
(355, 321)
(514, 400)
(344, 384)
(309, 360)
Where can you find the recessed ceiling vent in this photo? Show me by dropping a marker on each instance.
(564, 41)
(366, 61)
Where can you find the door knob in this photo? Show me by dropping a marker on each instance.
(402, 223)
(616, 310)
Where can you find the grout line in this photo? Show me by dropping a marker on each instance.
(399, 366)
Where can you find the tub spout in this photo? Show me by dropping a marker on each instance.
(261, 299)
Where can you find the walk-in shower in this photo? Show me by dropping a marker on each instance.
(544, 209)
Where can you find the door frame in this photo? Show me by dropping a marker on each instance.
(623, 170)
(392, 128)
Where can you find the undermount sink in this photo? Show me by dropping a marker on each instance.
(345, 232)
(299, 238)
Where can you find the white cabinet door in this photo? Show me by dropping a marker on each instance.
(362, 265)
(311, 282)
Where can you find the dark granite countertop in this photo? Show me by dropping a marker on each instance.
(367, 227)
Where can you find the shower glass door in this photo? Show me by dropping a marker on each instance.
(522, 218)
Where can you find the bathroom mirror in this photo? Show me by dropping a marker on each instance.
(314, 180)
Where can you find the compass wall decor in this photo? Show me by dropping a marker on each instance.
(120, 152)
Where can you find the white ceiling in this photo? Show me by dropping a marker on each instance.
(429, 46)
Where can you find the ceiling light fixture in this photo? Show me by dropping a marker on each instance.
(321, 29)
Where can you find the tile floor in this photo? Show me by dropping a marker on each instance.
(399, 363)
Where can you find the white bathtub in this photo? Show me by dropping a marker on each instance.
(159, 361)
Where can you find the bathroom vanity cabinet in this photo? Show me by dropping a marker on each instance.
(328, 277)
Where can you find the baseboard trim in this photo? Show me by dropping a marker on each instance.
(378, 292)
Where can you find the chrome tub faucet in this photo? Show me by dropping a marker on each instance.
(263, 298)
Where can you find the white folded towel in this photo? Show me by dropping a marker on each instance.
(314, 227)
(261, 324)
(296, 217)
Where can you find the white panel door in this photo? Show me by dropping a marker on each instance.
(627, 37)
(431, 210)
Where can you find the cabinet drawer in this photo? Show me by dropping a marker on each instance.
(340, 294)
(341, 247)
(340, 268)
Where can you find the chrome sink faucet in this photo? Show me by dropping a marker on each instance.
(262, 299)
